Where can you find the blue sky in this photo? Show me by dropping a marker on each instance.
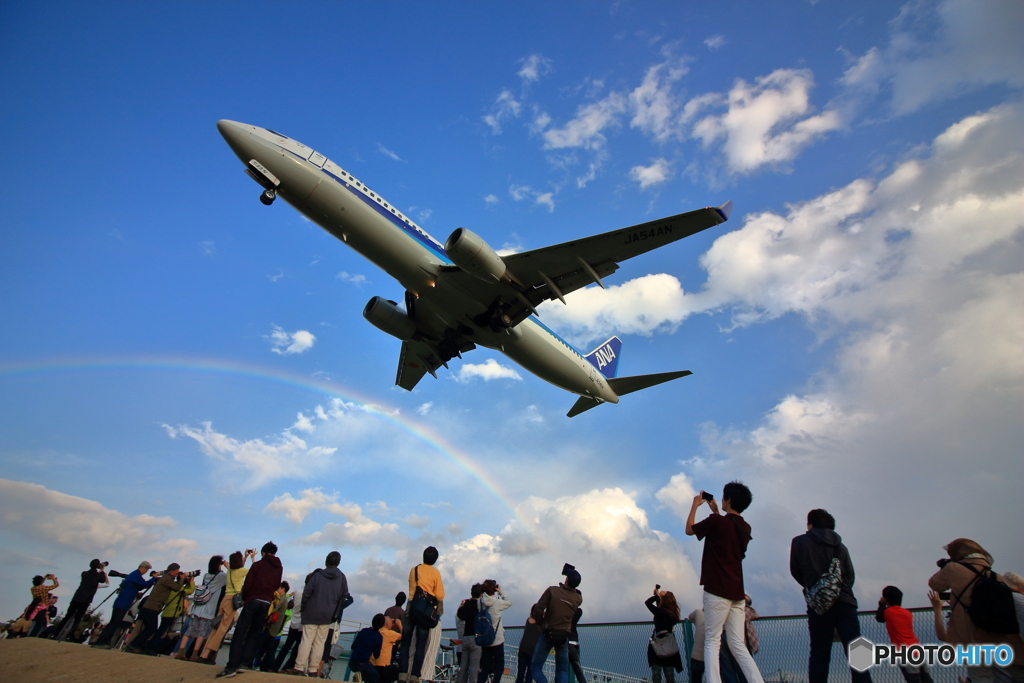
(184, 371)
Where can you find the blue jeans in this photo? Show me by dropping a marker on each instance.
(540, 655)
(421, 635)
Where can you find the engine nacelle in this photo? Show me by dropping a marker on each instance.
(386, 316)
(469, 252)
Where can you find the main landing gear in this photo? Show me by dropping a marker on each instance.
(268, 197)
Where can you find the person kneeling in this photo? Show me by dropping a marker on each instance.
(365, 647)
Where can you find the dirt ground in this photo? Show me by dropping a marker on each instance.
(33, 660)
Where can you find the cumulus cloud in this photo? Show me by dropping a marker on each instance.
(491, 200)
(488, 370)
(357, 530)
(655, 104)
(940, 50)
(586, 129)
(286, 343)
(765, 123)
(79, 524)
(657, 173)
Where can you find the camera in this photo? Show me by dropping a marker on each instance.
(193, 574)
(116, 574)
(945, 595)
(707, 496)
(566, 568)
(657, 586)
(943, 562)
(105, 564)
(250, 551)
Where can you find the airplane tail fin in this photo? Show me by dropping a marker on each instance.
(606, 358)
(626, 385)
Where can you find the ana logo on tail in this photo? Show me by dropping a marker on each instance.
(606, 357)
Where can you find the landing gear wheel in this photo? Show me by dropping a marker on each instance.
(268, 197)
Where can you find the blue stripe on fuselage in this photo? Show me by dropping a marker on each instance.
(393, 218)
(552, 333)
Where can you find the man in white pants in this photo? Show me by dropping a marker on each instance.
(721, 574)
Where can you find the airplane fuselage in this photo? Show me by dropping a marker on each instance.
(348, 209)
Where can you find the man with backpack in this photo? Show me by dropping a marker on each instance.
(554, 613)
(819, 558)
(980, 607)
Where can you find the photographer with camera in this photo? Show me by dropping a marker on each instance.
(554, 613)
(492, 655)
(226, 611)
(171, 583)
(92, 578)
(663, 650)
(127, 592)
(36, 612)
(967, 574)
(261, 583)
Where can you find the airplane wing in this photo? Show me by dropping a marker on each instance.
(552, 272)
(432, 351)
(569, 266)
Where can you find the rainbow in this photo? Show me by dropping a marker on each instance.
(316, 385)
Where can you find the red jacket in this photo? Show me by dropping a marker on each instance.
(263, 579)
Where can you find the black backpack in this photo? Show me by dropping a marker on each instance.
(991, 607)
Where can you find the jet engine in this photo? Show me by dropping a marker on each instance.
(469, 252)
(385, 315)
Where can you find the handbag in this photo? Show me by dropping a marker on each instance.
(664, 644)
(823, 594)
(236, 600)
(423, 607)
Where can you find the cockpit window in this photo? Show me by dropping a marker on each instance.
(276, 133)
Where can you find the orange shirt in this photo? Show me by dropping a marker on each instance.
(430, 581)
(390, 638)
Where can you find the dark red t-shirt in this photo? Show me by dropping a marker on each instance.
(721, 567)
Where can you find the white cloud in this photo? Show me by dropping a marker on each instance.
(286, 343)
(357, 280)
(387, 152)
(657, 173)
(677, 495)
(586, 129)
(491, 200)
(285, 455)
(714, 42)
(79, 524)
(488, 370)
(534, 66)
(645, 305)
(654, 104)
(357, 530)
(940, 50)
(765, 123)
(525, 192)
(424, 408)
(208, 248)
(505, 107)
(278, 276)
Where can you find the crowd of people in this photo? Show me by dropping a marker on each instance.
(402, 641)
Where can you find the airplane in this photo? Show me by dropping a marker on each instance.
(462, 294)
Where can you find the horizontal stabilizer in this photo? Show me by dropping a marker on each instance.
(627, 385)
(584, 404)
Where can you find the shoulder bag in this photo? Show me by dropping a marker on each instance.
(664, 644)
(823, 594)
(423, 607)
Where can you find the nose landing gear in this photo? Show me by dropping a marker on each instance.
(268, 197)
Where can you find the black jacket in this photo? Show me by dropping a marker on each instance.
(810, 555)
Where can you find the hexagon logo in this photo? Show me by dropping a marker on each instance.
(860, 654)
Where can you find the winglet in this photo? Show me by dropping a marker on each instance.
(724, 210)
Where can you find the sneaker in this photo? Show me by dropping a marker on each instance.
(294, 672)
(226, 673)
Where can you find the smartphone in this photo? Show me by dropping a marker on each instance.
(707, 496)
(945, 595)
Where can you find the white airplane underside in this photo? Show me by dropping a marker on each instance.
(461, 295)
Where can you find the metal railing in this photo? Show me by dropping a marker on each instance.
(617, 653)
